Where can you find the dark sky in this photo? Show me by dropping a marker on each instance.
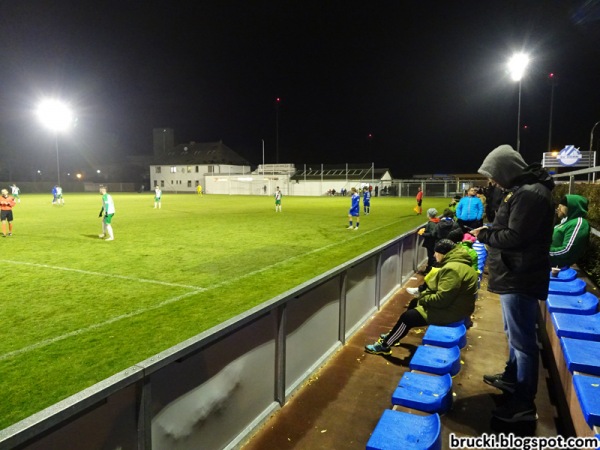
(426, 78)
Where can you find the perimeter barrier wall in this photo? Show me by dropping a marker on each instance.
(215, 389)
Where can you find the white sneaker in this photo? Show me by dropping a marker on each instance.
(350, 228)
(110, 239)
(355, 228)
(413, 291)
(101, 236)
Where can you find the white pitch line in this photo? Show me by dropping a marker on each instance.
(197, 290)
(101, 274)
(46, 342)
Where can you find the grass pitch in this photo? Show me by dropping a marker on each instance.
(77, 309)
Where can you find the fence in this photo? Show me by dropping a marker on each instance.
(213, 390)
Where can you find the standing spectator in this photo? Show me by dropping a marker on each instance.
(419, 198)
(16, 193)
(157, 197)
(59, 195)
(494, 197)
(354, 209)
(519, 270)
(6, 205)
(454, 203)
(376, 191)
(571, 236)
(108, 210)
(366, 201)
(278, 196)
(449, 296)
(469, 212)
(428, 233)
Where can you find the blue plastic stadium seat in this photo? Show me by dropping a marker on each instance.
(584, 304)
(582, 356)
(576, 326)
(588, 393)
(427, 393)
(437, 360)
(446, 336)
(400, 430)
(568, 274)
(575, 287)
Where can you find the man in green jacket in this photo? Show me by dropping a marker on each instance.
(571, 236)
(449, 297)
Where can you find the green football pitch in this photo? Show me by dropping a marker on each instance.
(77, 309)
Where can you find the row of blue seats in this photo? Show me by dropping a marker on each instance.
(426, 388)
(576, 322)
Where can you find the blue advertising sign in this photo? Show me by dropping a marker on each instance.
(569, 155)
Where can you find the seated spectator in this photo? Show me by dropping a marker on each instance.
(428, 233)
(571, 236)
(449, 297)
(469, 212)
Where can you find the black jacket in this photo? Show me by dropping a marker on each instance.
(520, 237)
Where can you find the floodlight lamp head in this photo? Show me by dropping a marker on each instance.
(55, 115)
(517, 65)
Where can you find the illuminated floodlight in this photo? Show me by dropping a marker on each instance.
(55, 115)
(517, 65)
(58, 117)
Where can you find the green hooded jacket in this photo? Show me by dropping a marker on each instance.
(570, 237)
(452, 291)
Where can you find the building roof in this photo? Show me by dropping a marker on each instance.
(342, 173)
(201, 153)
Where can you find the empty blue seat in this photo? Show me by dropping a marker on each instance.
(437, 360)
(575, 287)
(584, 304)
(427, 393)
(400, 430)
(446, 336)
(581, 356)
(588, 393)
(568, 274)
(577, 326)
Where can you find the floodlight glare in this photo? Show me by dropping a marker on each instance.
(517, 65)
(55, 115)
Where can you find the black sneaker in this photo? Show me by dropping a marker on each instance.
(516, 410)
(498, 381)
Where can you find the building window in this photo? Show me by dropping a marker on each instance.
(171, 181)
(189, 183)
(157, 169)
(189, 169)
(173, 169)
(197, 169)
(162, 183)
(211, 169)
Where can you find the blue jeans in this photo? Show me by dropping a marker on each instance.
(519, 313)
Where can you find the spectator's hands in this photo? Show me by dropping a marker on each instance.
(475, 231)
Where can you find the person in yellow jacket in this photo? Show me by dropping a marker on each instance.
(449, 297)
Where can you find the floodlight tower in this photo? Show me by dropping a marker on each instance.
(58, 117)
(516, 66)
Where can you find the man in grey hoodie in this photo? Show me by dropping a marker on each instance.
(519, 270)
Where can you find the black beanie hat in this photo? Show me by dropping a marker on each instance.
(443, 246)
(456, 235)
(563, 201)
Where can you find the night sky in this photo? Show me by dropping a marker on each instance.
(416, 86)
